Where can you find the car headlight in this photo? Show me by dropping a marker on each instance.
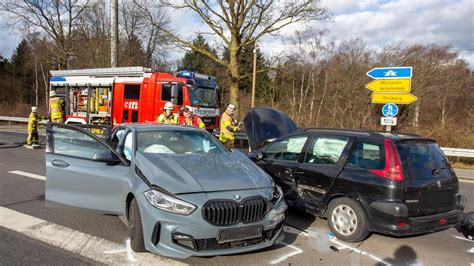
(277, 194)
(168, 203)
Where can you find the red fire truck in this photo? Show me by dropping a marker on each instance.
(110, 96)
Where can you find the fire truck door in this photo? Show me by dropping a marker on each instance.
(131, 103)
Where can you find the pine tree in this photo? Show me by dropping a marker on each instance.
(197, 62)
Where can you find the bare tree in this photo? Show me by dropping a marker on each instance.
(57, 18)
(147, 19)
(239, 24)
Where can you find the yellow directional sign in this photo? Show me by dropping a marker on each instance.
(390, 85)
(396, 98)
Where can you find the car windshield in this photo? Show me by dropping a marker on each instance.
(178, 142)
(203, 97)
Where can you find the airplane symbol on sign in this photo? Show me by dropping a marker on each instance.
(390, 73)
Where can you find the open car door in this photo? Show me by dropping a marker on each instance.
(83, 171)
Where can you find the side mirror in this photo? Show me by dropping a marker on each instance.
(260, 156)
(174, 91)
(105, 156)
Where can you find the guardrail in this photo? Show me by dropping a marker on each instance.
(455, 152)
(10, 119)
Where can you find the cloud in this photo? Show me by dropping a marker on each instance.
(405, 21)
(377, 22)
(9, 40)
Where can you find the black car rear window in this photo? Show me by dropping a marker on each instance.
(423, 159)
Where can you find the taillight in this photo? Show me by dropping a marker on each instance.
(402, 225)
(393, 165)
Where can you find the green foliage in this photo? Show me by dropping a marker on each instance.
(197, 62)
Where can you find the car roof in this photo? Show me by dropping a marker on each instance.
(361, 133)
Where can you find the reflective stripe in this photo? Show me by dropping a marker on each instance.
(55, 107)
(171, 120)
(33, 122)
(195, 121)
(226, 134)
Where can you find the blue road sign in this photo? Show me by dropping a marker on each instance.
(390, 110)
(390, 72)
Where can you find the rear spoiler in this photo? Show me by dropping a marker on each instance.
(414, 139)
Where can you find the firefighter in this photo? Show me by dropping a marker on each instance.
(33, 139)
(189, 119)
(55, 108)
(168, 117)
(229, 126)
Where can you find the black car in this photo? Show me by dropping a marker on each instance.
(361, 181)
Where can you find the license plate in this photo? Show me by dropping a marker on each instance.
(240, 233)
(204, 112)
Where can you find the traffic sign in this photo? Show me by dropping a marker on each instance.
(390, 110)
(390, 85)
(397, 98)
(388, 121)
(390, 72)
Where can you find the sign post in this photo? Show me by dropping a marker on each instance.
(391, 86)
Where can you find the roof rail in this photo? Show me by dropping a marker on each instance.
(370, 131)
(104, 72)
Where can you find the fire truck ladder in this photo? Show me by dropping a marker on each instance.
(104, 72)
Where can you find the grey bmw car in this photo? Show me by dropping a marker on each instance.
(179, 190)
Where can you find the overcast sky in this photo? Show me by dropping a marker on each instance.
(377, 22)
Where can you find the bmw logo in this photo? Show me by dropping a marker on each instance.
(237, 196)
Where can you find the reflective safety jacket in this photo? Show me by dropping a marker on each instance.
(228, 128)
(33, 122)
(168, 120)
(194, 121)
(55, 108)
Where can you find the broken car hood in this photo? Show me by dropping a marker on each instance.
(191, 173)
(264, 124)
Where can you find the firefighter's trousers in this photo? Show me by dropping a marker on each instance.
(33, 137)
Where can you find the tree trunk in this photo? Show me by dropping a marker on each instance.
(300, 104)
(234, 75)
(417, 114)
(443, 113)
(46, 89)
(311, 107)
(322, 98)
(36, 83)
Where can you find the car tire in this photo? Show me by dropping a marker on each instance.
(135, 228)
(347, 220)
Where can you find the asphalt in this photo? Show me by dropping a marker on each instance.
(311, 246)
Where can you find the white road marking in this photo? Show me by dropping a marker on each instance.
(287, 256)
(466, 181)
(470, 250)
(356, 250)
(339, 244)
(92, 247)
(463, 238)
(35, 176)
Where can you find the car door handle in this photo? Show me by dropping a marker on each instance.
(60, 163)
(291, 172)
